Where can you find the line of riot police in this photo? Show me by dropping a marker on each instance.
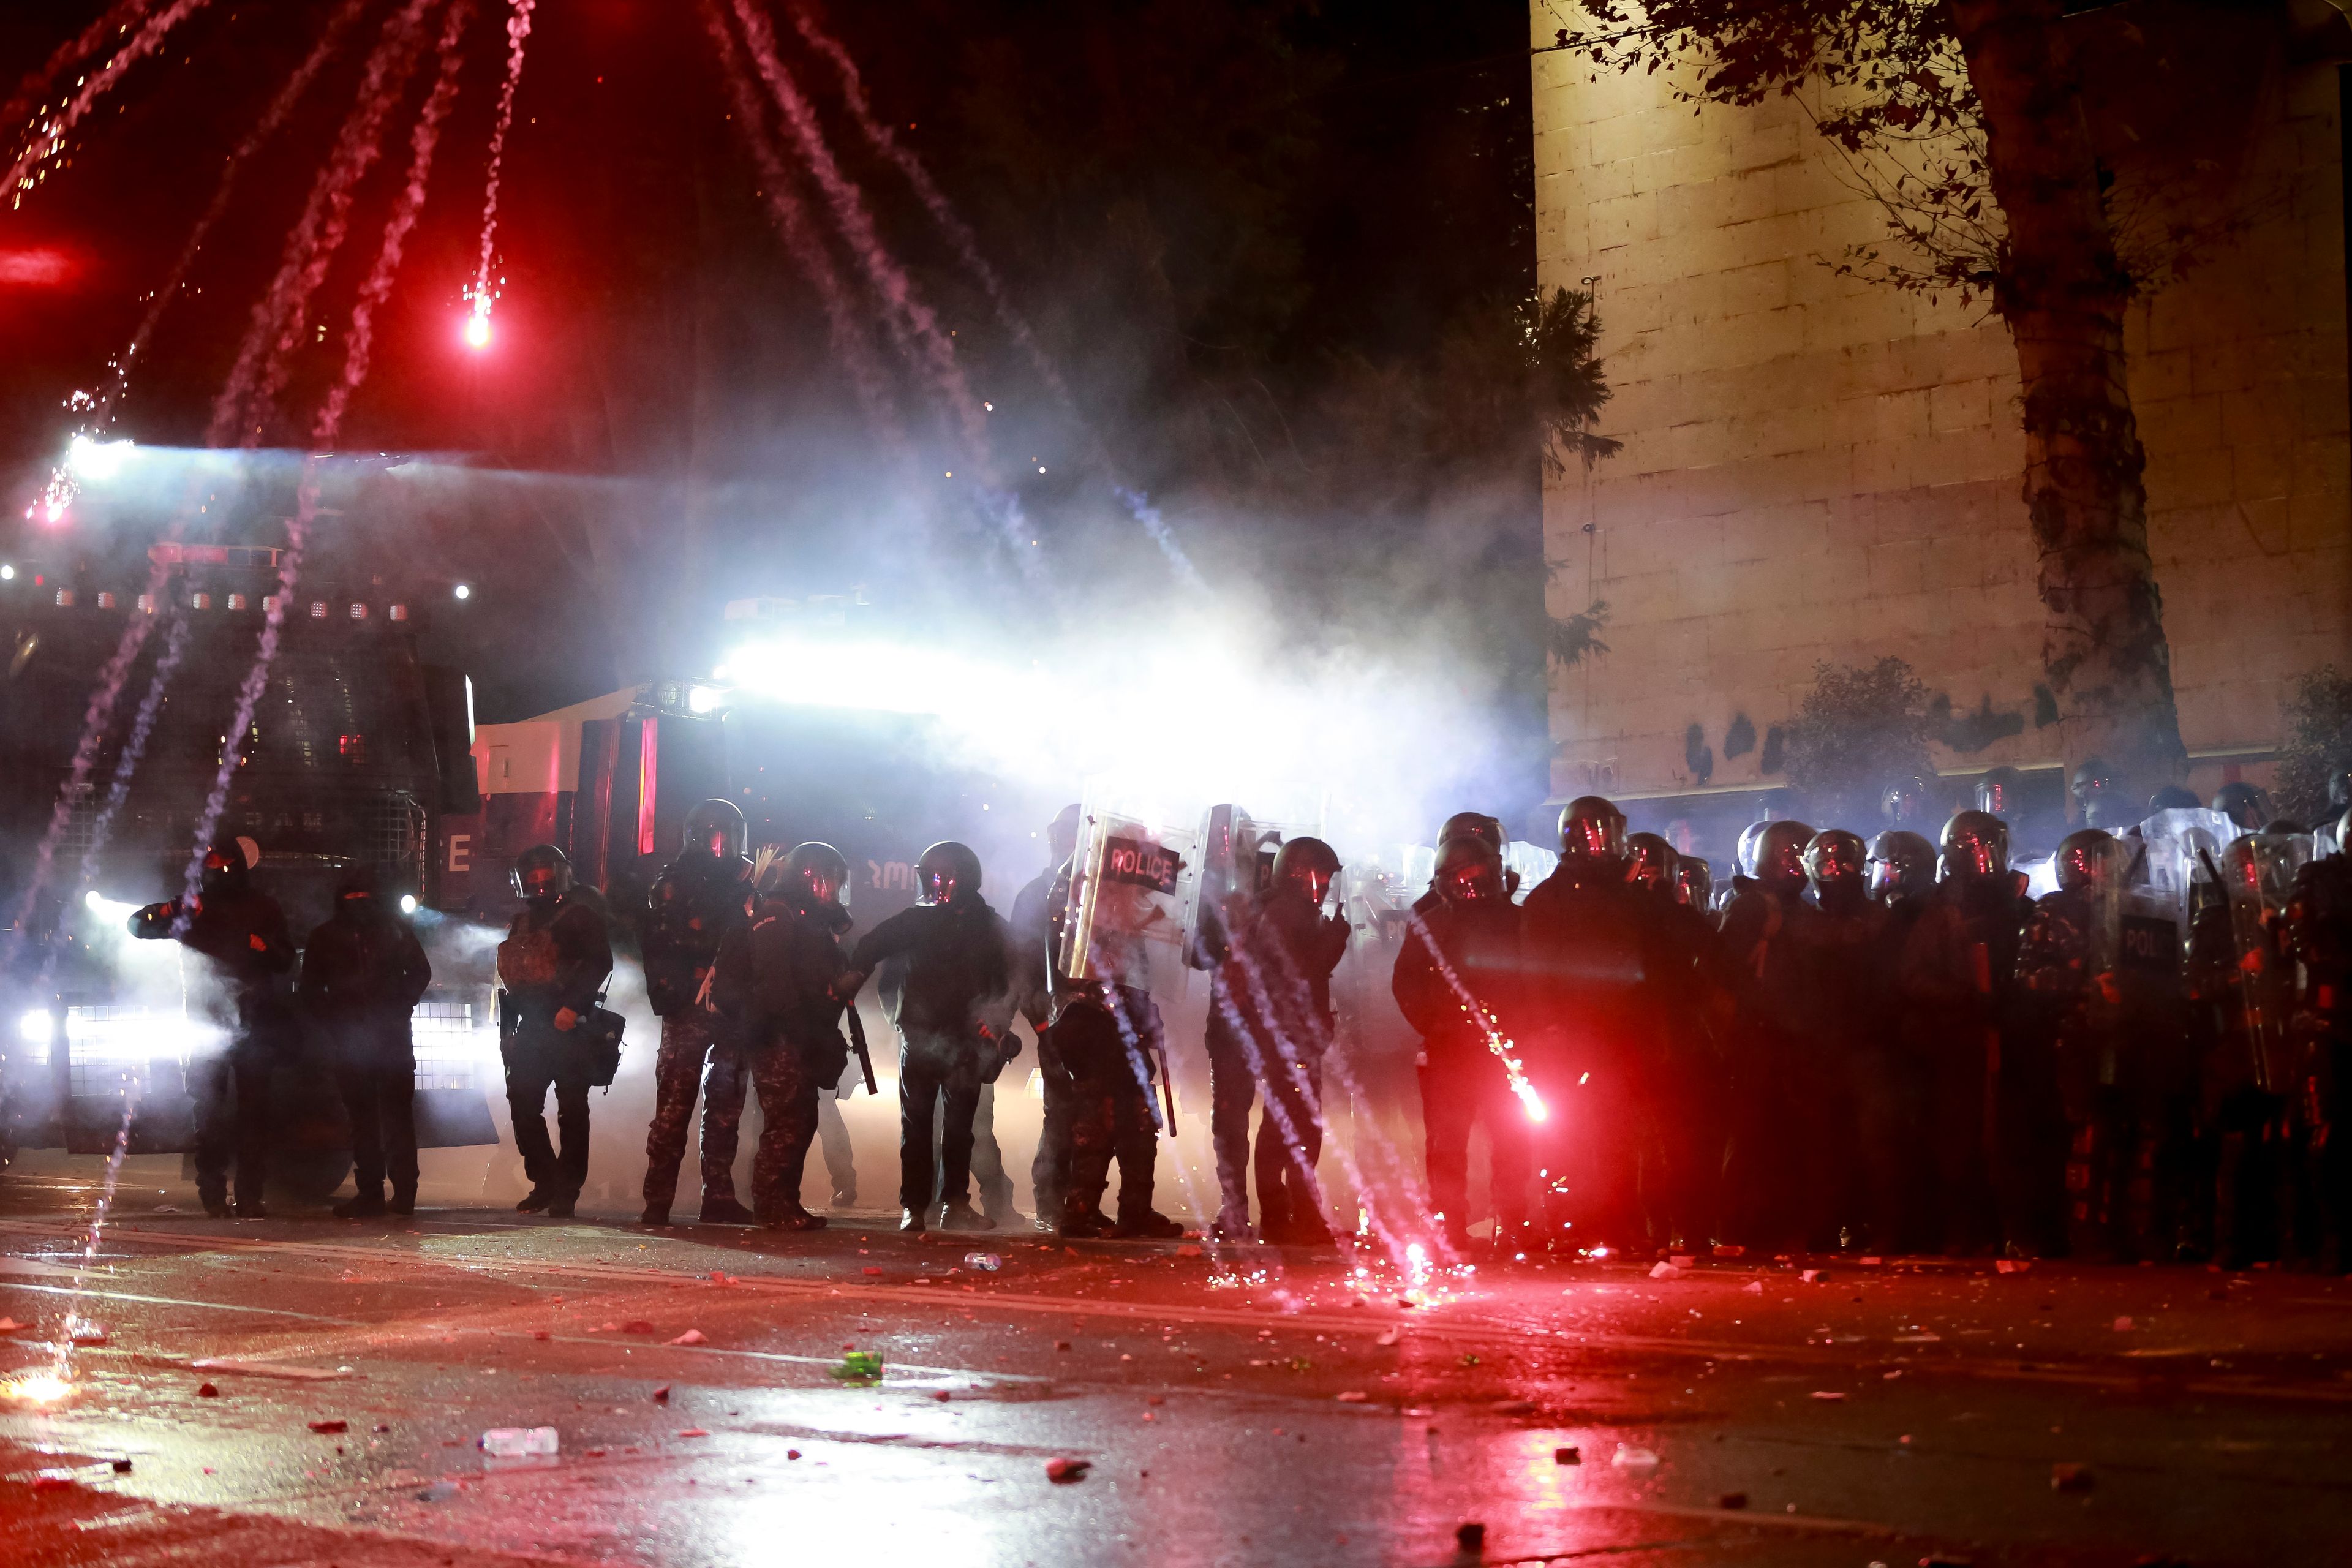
(1889, 1046)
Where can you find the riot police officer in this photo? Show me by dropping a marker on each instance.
(692, 907)
(2099, 800)
(1593, 948)
(2246, 804)
(2318, 922)
(773, 981)
(1293, 947)
(954, 1019)
(1841, 1082)
(1487, 829)
(1902, 869)
(551, 969)
(1763, 942)
(240, 933)
(1956, 976)
(1682, 1154)
(1459, 981)
(363, 972)
(1033, 932)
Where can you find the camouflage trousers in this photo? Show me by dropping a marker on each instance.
(686, 1046)
(788, 1091)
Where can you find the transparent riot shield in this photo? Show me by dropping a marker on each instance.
(1125, 920)
(1236, 853)
(2258, 871)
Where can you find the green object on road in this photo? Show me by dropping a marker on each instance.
(859, 1367)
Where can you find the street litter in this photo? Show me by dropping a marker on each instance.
(691, 1337)
(1753, 1287)
(1810, 1276)
(207, 1391)
(661, 1394)
(1665, 1271)
(9, 1325)
(2012, 1265)
(859, 1367)
(987, 1262)
(84, 1332)
(1066, 1471)
(1353, 1396)
(518, 1442)
(268, 1369)
(1389, 1336)
(694, 1431)
(1189, 1249)
(1628, 1458)
(336, 1425)
(1830, 1394)
(1568, 1453)
(1732, 1500)
(1471, 1537)
(2122, 1325)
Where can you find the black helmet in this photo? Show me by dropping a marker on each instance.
(2244, 804)
(1836, 857)
(810, 877)
(2173, 797)
(1591, 830)
(2000, 791)
(1975, 847)
(1781, 856)
(948, 873)
(1470, 872)
(2086, 858)
(1902, 865)
(1306, 865)
(541, 874)
(224, 869)
(1693, 881)
(715, 829)
(2092, 779)
(1904, 800)
(1650, 863)
(1472, 824)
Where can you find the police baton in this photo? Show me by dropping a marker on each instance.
(858, 1044)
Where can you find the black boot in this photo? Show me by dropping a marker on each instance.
(725, 1211)
(535, 1200)
(364, 1205)
(404, 1201)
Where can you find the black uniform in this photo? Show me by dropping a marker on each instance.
(1286, 954)
(691, 908)
(1450, 951)
(363, 973)
(1956, 981)
(2319, 935)
(240, 934)
(955, 1003)
(773, 983)
(553, 960)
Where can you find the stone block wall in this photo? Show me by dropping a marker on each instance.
(1819, 467)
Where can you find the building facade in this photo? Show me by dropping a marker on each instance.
(1819, 467)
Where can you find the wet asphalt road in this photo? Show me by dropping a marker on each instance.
(1253, 1406)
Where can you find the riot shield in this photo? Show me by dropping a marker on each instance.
(1235, 854)
(2259, 873)
(1123, 923)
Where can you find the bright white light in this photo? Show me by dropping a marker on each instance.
(477, 329)
(96, 460)
(408, 903)
(7, 573)
(106, 909)
(1530, 1101)
(36, 1388)
(463, 592)
(703, 699)
(33, 1028)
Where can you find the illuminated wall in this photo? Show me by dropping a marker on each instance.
(1816, 468)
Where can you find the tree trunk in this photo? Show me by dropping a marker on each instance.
(2063, 292)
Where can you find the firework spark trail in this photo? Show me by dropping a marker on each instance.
(116, 19)
(278, 317)
(943, 213)
(1398, 1249)
(142, 725)
(96, 718)
(272, 120)
(518, 35)
(48, 139)
(933, 350)
(1497, 1042)
(1395, 1165)
(62, 486)
(357, 358)
(1138, 1063)
(336, 224)
(1157, 527)
(967, 248)
(792, 223)
(359, 348)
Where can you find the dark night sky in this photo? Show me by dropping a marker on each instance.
(1235, 229)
